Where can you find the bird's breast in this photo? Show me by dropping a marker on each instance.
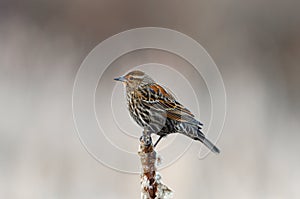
(136, 110)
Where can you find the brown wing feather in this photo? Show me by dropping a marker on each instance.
(157, 97)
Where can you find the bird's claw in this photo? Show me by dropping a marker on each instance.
(146, 139)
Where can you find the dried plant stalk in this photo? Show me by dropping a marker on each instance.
(151, 185)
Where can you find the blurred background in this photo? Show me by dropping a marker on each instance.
(255, 44)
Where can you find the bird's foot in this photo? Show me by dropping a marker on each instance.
(146, 139)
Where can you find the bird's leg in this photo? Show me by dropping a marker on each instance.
(158, 141)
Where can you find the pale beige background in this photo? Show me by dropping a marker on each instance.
(255, 44)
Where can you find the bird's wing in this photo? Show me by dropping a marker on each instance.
(157, 97)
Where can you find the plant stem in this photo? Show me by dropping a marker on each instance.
(151, 185)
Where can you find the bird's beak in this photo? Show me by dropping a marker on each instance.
(121, 79)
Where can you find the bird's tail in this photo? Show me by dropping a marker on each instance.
(210, 145)
(194, 132)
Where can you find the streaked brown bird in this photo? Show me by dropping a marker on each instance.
(157, 111)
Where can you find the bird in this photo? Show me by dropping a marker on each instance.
(154, 108)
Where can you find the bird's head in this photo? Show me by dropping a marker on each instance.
(134, 79)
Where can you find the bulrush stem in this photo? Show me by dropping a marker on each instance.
(151, 185)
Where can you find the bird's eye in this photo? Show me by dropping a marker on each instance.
(130, 78)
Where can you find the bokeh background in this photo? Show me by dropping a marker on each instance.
(255, 44)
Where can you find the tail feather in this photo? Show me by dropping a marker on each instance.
(210, 145)
(194, 132)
